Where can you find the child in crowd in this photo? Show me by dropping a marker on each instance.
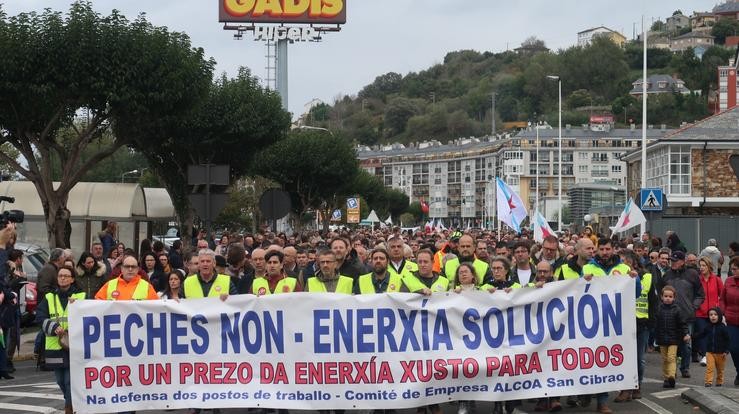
(671, 329)
(717, 346)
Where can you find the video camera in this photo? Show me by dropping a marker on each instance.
(10, 216)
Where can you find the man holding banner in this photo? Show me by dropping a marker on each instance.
(206, 283)
(380, 280)
(327, 280)
(128, 286)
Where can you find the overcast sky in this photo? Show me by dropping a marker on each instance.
(381, 36)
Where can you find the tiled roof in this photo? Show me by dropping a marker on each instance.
(723, 126)
(728, 7)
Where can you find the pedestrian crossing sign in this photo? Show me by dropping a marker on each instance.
(651, 199)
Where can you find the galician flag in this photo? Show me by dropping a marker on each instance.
(630, 217)
(511, 209)
(541, 228)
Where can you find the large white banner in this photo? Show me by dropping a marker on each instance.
(326, 351)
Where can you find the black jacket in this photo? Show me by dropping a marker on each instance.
(716, 334)
(671, 325)
(690, 294)
(7, 309)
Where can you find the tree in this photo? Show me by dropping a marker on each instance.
(236, 118)
(123, 74)
(658, 26)
(237, 214)
(110, 169)
(383, 86)
(316, 167)
(320, 112)
(415, 212)
(533, 42)
(723, 29)
(12, 153)
(395, 202)
(399, 110)
(578, 99)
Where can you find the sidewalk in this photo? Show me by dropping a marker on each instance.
(715, 400)
(26, 351)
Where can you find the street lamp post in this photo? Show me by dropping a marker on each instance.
(127, 173)
(536, 198)
(559, 151)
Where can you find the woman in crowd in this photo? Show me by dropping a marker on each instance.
(222, 248)
(712, 286)
(107, 237)
(174, 288)
(154, 271)
(729, 299)
(114, 258)
(164, 262)
(145, 247)
(52, 314)
(90, 274)
(121, 248)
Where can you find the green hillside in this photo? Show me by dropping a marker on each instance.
(453, 99)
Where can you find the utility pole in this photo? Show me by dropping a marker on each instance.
(492, 115)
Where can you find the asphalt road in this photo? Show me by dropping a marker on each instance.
(34, 391)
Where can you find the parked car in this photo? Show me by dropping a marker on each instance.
(168, 238)
(34, 258)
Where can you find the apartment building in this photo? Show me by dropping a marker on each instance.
(457, 179)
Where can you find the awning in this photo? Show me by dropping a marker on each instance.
(158, 203)
(90, 201)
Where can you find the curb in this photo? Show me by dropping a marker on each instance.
(23, 357)
(711, 401)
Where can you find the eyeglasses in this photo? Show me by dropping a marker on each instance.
(130, 266)
(64, 275)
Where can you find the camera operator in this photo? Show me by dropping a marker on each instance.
(8, 299)
(16, 279)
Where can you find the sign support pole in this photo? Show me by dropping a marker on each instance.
(282, 71)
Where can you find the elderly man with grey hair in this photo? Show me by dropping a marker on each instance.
(206, 282)
(714, 254)
(47, 274)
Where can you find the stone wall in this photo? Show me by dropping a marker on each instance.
(721, 180)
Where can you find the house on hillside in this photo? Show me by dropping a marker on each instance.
(586, 36)
(530, 49)
(659, 84)
(729, 10)
(677, 22)
(702, 22)
(691, 40)
(658, 41)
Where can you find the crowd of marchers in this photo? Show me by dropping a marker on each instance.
(687, 309)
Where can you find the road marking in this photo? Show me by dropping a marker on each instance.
(50, 386)
(669, 393)
(41, 384)
(31, 395)
(654, 406)
(31, 408)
